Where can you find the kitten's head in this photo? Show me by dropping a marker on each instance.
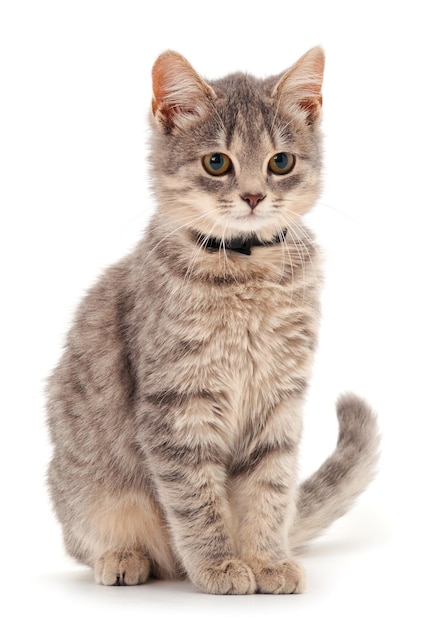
(239, 155)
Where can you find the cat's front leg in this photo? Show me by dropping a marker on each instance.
(264, 488)
(185, 449)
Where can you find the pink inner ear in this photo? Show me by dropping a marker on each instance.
(311, 104)
(180, 95)
(184, 110)
(301, 84)
(174, 114)
(159, 89)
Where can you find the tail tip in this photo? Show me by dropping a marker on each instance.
(351, 408)
(358, 424)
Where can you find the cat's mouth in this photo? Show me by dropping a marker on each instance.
(253, 220)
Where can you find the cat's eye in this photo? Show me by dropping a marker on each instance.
(282, 163)
(217, 164)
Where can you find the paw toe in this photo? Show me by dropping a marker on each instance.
(283, 577)
(122, 568)
(232, 577)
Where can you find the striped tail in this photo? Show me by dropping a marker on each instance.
(332, 489)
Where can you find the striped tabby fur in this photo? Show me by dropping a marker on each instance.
(175, 410)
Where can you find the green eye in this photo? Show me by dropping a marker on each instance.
(282, 163)
(217, 164)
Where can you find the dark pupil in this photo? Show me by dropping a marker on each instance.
(217, 161)
(281, 160)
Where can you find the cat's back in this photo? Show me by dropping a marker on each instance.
(92, 381)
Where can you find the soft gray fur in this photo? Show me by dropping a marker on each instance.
(175, 410)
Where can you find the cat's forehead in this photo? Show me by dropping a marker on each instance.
(247, 112)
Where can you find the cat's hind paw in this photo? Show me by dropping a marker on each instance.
(282, 577)
(232, 577)
(122, 567)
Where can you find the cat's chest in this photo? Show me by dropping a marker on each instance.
(242, 344)
(260, 344)
(248, 325)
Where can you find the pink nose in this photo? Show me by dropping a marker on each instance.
(253, 199)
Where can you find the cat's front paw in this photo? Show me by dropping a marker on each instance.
(231, 577)
(122, 567)
(285, 576)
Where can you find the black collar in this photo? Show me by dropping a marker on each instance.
(238, 244)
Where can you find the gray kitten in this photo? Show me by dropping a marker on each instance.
(175, 410)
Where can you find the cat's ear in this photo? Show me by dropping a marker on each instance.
(180, 96)
(300, 87)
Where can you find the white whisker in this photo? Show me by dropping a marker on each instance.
(305, 235)
(293, 234)
(225, 256)
(334, 208)
(169, 234)
(198, 250)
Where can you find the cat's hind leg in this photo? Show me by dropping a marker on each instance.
(122, 567)
(123, 538)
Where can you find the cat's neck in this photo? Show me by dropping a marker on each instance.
(199, 256)
(238, 245)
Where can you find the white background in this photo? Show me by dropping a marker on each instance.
(75, 85)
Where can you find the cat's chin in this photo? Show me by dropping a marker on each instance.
(263, 228)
